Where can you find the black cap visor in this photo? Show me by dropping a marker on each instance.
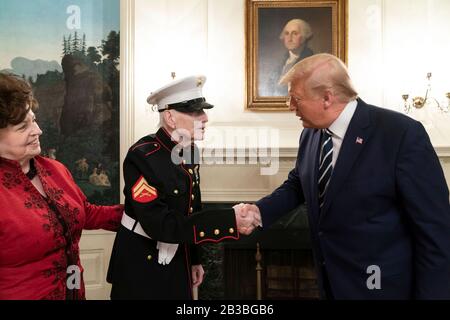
(190, 105)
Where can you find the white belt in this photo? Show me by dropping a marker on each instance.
(129, 222)
(166, 251)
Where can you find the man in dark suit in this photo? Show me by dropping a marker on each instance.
(377, 199)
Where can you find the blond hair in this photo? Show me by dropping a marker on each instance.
(322, 72)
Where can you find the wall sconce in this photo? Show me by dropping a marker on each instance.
(428, 100)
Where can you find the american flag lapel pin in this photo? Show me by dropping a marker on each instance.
(359, 140)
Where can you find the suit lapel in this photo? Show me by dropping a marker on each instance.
(356, 137)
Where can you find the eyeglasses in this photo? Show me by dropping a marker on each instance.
(291, 99)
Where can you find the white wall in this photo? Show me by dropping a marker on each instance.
(392, 45)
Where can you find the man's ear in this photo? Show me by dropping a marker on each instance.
(328, 98)
(170, 119)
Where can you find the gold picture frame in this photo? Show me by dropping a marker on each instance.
(269, 52)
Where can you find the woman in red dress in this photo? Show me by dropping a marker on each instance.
(42, 210)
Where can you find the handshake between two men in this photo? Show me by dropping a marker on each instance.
(248, 217)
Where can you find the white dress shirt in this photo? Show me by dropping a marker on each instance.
(339, 128)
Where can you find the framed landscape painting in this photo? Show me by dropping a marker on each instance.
(69, 52)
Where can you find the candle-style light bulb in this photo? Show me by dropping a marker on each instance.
(405, 105)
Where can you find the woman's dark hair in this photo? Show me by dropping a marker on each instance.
(16, 99)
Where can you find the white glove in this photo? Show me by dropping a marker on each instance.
(166, 252)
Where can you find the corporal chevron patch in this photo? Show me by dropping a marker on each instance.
(142, 192)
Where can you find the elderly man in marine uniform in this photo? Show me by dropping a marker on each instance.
(156, 251)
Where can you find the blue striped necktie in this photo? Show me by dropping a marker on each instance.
(325, 164)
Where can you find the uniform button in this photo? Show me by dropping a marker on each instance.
(193, 197)
(231, 230)
(175, 191)
(149, 257)
(155, 145)
(190, 171)
(193, 184)
(191, 210)
(202, 234)
(217, 232)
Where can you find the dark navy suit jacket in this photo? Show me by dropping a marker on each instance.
(387, 205)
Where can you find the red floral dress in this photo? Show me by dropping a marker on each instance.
(39, 236)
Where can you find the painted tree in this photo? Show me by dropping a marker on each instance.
(69, 44)
(83, 45)
(93, 55)
(65, 48)
(76, 43)
(111, 47)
